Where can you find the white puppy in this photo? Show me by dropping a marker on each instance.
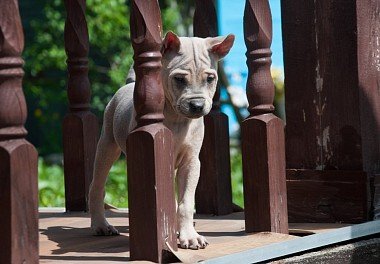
(189, 77)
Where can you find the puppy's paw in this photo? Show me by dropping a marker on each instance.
(104, 229)
(192, 240)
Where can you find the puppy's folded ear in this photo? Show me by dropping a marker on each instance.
(171, 43)
(220, 46)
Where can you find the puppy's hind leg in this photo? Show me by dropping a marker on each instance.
(106, 153)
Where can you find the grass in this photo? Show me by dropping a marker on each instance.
(51, 184)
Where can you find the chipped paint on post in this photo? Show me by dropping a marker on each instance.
(318, 79)
(376, 53)
(375, 39)
(304, 115)
(323, 134)
(326, 152)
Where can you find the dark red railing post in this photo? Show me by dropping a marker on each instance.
(18, 158)
(263, 146)
(332, 103)
(80, 126)
(149, 146)
(214, 194)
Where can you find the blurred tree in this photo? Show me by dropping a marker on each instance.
(109, 59)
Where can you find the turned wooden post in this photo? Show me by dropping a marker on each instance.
(80, 126)
(263, 147)
(18, 158)
(149, 146)
(214, 194)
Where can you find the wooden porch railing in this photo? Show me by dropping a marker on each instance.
(331, 56)
(150, 170)
(18, 158)
(80, 126)
(263, 147)
(149, 145)
(214, 193)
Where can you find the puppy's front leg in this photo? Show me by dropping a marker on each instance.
(106, 153)
(188, 176)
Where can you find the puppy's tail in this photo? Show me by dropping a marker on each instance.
(131, 75)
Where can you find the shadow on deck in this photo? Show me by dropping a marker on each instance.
(68, 237)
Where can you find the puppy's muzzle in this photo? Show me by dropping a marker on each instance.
(193, 107)
(196, 106)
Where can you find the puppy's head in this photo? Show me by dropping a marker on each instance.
(189, 72)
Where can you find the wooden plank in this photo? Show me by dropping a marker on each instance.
(149, 146)
(263, 147)
(338, 93)
(305, 229)
(299, 40)
(218, 250)
(67, 237)
(299, 245)
(80, 127)
(323, 126)
(326, 104)
(327, 196)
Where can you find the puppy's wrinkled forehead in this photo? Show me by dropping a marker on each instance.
(193, 56)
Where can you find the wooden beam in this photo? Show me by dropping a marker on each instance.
(80, 127)
(327, 196)
(214, 193)
(332, 94)
(323, 129)
(18, 158)
(263, 139)
(150, 145)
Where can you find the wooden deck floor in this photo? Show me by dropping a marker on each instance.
(67, 237)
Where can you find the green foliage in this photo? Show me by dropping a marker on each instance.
(51, 183)
(110, 57)
(237, 178)
(279, 99)
(116, 187)
(45, 78)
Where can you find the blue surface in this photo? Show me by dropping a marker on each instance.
(230, 14)
(230, 19)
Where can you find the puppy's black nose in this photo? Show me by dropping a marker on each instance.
(197, 105)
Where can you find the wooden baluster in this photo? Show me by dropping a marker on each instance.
(149, 146)
(18, 158)
(214, 194)
(262, 132)
(80, 126)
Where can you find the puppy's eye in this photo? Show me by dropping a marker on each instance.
(180, 80)
(210, 78)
